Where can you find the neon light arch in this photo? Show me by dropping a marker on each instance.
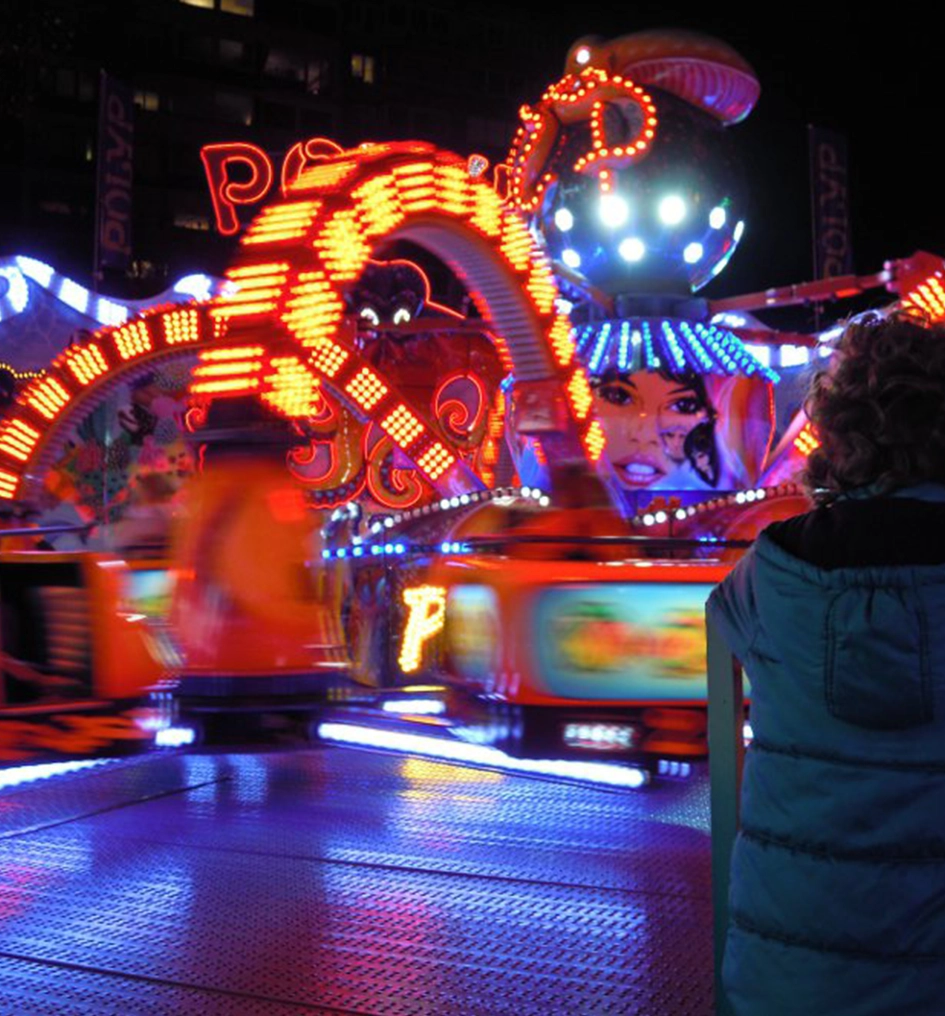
(281, 333)
(300, 256)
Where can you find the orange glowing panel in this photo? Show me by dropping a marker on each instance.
(415, 186)
(47, 397)
(233, 353)
(181, 327)
(85, 362)
(327, 176)
(806, 440)
(17, 439)
(258, 288)
(342, 246)
(366, 388)
(929, 296)
(562, 344)
(453, 190)
(402, 426)
(487, 212)
(541, 286)
(379, 206)
(426, 617)
(133, 340)
(436, 460)
(8, 484)
(594, 441)
(226, 386)
(579, 394)
(328, 358)
(517, 245)
(282, 223)
(293, 390)
(313, 308)
(230, 369)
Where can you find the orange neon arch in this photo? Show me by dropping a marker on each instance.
(300, 255)
(282, 332)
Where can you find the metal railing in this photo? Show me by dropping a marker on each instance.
(726, 755)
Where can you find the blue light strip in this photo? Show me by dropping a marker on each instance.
(18, 775)
(388, 547)
(698, 350)
(671, 343)
(473, 754)
(106, 311)
(623, 360)
(652, 360)
(601, 347)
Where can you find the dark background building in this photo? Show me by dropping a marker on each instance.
(275, 72)
(272, 72)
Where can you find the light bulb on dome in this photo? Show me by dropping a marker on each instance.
(717, 217)
(564, 220)
(692, 253)
(571, 257)
(672, 210)
(632, 249)
(614, 210)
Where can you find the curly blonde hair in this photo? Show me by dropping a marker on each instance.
(878, 407)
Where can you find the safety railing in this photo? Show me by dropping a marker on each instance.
(726, 754)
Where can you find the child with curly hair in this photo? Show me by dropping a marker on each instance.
(838, 616)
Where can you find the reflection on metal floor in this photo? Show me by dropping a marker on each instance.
(344, 881)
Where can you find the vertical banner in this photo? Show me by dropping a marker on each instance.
(113, 188)
(830, 201)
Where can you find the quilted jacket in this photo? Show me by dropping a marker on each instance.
(838, 874)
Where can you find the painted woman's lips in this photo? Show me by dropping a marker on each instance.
(638, 472)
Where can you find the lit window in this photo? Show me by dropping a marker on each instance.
(186, 220)
(362, 68)
(245, 8)
(208, 4)
(150, 101)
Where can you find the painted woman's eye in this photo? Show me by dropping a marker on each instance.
(401, 316)
(616, 395)
(688, 406)
(369, 314)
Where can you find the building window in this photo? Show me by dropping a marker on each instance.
(149, 101)
(280, 63)
(188, 220)
(234, 107)
(55, 208)
(362, 68)
(232, 52)
(245, 8)
(316, 77)
(277, 114)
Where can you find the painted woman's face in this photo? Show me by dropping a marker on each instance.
(646, 419)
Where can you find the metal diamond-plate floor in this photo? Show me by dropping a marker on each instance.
(342, 881)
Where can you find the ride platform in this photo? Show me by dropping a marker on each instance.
(335, 880)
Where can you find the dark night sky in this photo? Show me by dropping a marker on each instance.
(877, 82)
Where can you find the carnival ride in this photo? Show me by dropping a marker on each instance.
(393, 491)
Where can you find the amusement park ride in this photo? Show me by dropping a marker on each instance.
(522, 501)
